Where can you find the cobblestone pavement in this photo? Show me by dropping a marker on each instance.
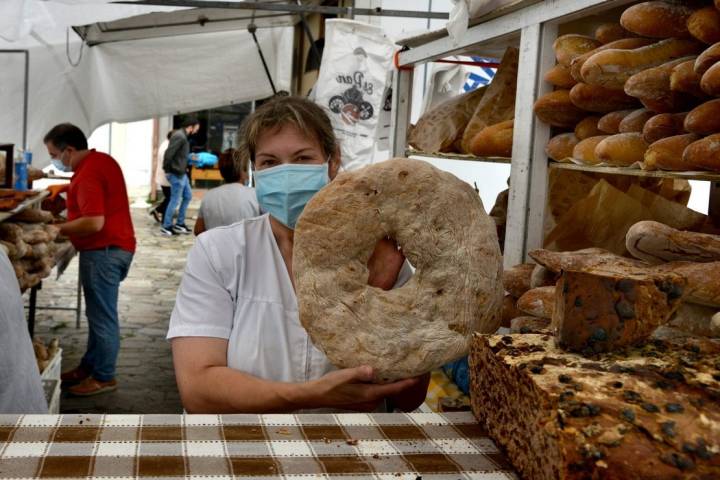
(146, 381)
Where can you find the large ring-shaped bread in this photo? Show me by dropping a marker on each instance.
(443, 230)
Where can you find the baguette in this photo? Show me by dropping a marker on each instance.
(657, 243)
(530, 325)
(622, 44)
(702, 285)
(33, 215)
(635, 122)
(594, 98)
(610, 123)
(560, 147)
(696, 320)
(610, 32)
(621, 150)
(588, 127)
(567, 47)
(710, 81)
(611, 68)
(664, 125)
(683, 79)
(704, 24)
(560, 77)
(584, 151)
(707, 59)
(652, 88)
(538, 302)
(657, 20)
(704, 119)
(704, 154)
(667, 153)
(494, 141)
(556, 109)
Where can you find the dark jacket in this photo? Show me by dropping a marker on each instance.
(176, 156)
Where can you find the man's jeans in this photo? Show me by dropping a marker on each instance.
(101, 272)
(179, 189)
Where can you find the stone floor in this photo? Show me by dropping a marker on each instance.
(145, 371)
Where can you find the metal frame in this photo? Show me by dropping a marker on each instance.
(536, 27)
(26, 53)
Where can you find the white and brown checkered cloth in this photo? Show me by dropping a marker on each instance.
(351, 446)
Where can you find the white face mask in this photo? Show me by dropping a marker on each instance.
(58, 164)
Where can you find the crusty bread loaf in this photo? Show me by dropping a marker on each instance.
(585, 260)
(538, 302)
(658, 243)
(594, 98)
(622, 150)
(584, 151)
(494, 141)
(439, 129)
(560, 147)
(516, 279)
(652, 88)
(559, 76)
(611, 68)
(667, 153)
(588, 127)
(33, 215)
(693, 319)
(530, 325)
(647, 413)
(704, 154)
(498, 103)
(635, 121)
(703, 287)
(509, 310)
(603, 311)
(664, 125)
(622, 44)
(567, 47)
(707, 58)
(542, 277)
(610, 32)
(556, 109)
(710, 81)
(704, 119)
(610, 123)
(683, 79)
(657, 19)
(704, 24)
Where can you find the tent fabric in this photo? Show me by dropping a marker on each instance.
(126, 80)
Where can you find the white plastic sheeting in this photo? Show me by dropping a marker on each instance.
(123, 81)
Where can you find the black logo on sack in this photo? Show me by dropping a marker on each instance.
(351, 106)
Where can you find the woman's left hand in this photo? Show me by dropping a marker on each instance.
(385, 264)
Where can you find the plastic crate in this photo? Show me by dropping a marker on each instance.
(54, 368)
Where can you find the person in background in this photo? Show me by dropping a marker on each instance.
(237, 342)
(158, 212)
(232, 202)
(21, 388)
(100, 227)
(175, 163)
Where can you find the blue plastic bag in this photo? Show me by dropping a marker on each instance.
(459, 372)
(203, 159)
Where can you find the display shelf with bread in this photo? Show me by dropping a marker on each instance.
(705, 176)
(17, 201)
(412, 153)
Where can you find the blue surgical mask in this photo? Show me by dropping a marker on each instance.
(59, 165)
(284, 190)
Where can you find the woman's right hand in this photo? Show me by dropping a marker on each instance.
(352, 389)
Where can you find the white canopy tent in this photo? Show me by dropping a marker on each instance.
(202, 59)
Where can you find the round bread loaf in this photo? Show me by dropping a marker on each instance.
(440, 223)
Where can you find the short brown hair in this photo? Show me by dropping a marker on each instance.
(66, 135)
(300, 112)
(232, 164)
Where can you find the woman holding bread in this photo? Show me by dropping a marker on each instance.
(237, 342)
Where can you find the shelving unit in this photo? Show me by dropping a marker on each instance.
(27, 203)
(533, 26)
(456, 156)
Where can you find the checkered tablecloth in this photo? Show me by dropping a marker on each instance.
(351, 446)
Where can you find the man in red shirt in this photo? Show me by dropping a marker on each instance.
(100, 228)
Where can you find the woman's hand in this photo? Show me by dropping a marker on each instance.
(349, 389)
(385, 264)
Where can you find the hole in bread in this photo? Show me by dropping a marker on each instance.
(385, 264)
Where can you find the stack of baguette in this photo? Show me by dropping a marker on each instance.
(641, 92)
(479, 122)
(616, 372)
(31, 242)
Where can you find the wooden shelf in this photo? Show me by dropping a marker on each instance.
(28, 202)
(457, 156)
(707, 176)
